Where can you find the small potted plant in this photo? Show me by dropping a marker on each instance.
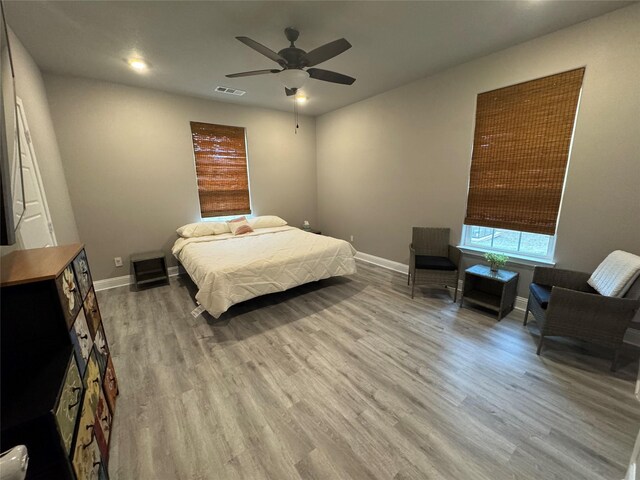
(496, 260)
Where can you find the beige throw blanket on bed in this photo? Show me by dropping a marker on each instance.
(229, 270)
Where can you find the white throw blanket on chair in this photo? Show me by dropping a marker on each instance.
(615, 275)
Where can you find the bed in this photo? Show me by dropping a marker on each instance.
(230, 269)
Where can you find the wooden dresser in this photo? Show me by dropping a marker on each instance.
(58, 385)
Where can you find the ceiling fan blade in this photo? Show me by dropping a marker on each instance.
(253, 72)
(267, 52)
(325, 52)
(290, 91)
(329, 76)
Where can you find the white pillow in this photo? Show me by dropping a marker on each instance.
(267, 221)
(201, 229)
(615, 275)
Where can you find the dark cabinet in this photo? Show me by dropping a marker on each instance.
(58, 385)
(493, 290)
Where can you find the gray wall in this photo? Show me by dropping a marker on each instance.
(30, 88)
(402, 158)
(129, 163)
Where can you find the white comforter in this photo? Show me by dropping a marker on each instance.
(229, 270)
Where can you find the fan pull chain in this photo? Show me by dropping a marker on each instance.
(295, 115)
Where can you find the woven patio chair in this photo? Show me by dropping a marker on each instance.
(565, 305)
(432, 260)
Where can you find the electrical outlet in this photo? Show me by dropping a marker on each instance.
(351, 238)
(117, 261)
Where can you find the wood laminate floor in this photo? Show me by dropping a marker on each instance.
(349, 378)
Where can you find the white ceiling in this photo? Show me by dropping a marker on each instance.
(191, 45)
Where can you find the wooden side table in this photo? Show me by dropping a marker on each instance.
(149, 267)
(493, 290)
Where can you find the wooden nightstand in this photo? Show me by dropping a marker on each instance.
(493, 290)
(149, 267)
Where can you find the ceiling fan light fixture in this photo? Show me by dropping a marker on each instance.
(293, 78)
(293, 60)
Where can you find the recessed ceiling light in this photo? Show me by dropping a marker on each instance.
(138, 64)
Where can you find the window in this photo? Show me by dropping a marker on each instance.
(521, 147)
(221, 169)
(526, 244)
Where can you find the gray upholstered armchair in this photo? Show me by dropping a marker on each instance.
(564, 304)
(432, 260)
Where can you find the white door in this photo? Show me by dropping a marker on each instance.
(35, 228)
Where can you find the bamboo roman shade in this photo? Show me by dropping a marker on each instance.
(520, 153)
(221, 168)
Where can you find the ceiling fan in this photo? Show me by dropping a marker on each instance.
(294, 61)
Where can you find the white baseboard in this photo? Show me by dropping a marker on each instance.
(123, 281)
(632, 337)
(383, 262)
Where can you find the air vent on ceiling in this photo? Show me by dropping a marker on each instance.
(230, 91)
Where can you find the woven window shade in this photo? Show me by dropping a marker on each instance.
(221, 168)
(520, 153)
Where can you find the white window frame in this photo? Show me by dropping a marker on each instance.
(528, 258)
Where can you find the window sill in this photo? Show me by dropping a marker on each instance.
(516, 258)
(226, 218)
